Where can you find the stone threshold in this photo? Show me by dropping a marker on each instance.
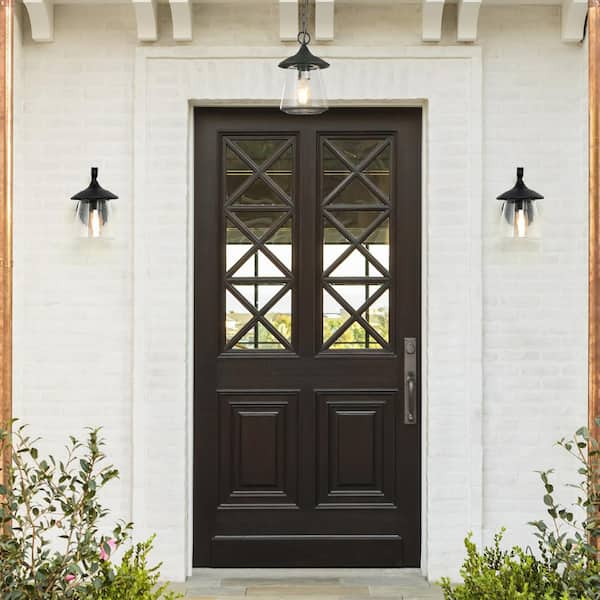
(308, 584)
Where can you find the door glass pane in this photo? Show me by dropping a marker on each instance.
(379, 171)
(280, 316)
(281, 171)
(237, 171)
(259, 150)
(236, 315)
(259, 193)
(356, 193)
(258, 217)
(258, 223)
(265, 340)
(237, 246)
(333, 171)
(355, 150)
(356, 243)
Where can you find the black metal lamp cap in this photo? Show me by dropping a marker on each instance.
(520, 192)
(94, 192)
(304, 60)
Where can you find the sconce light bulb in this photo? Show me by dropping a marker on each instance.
(521, 222)
(94, 223)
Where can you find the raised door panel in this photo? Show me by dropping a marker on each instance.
(356, 448)
(258, 449)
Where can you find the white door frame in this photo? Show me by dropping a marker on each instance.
(169, 83)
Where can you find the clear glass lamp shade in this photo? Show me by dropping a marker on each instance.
(520, 220)
(93, 219)
(303, 92)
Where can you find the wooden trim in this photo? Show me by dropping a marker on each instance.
(594, 217)
(6, 107)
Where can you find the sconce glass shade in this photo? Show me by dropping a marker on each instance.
(520, 220)
(93, 212)
(93, 219)
(304, 90)
(520, 216)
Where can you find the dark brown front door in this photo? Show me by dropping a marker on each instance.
(307, 284)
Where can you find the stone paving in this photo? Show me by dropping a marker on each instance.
(309, 584)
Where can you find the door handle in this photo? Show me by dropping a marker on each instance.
(410, 381)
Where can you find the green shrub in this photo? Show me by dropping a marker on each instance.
(50, 543)
(51, 547)
(496, 574)
(566, 540)
(567, 567)
(134, 579)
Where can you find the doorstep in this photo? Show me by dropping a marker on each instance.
(308, 584)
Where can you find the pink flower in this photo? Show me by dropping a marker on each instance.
(104, 555)
(70, 577)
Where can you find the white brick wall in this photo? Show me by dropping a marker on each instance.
(535, 355)
(75, 305)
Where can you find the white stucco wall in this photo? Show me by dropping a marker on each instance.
(74, 301)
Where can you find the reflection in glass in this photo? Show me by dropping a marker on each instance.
(259, 150)
(237, 171)
(354, 150)
(356, 242)
(258, 337)
(335, 316)
(281, 171)
(259, 176)
(378, 171)
(280, 316)
(356, 223)
(236, 316)
(356, 193)
(259, 194)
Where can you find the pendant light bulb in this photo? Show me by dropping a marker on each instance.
(303, 91)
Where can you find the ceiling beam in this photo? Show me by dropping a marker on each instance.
(41, 17)
(288, 20)
(468, 19)
(145, 15)
(433, 11)
(324, 20)
(181, 16)
(574, 13)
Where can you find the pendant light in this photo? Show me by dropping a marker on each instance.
(520, 216)
(92, 213)
(303, 91)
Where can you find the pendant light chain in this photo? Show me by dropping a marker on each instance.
(304, 36)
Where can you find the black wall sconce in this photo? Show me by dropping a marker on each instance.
(304, 91)
(92, 213)
(520, 216)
